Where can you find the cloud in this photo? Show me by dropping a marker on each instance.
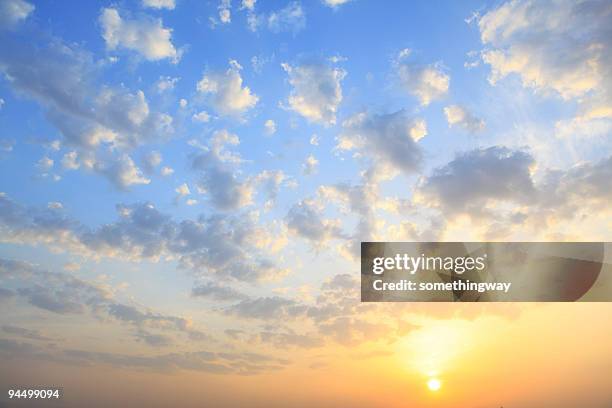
(316, 92)
(310, 165)
(65, 294)
(388, 140)
(290, 18)
(270, 127)
(476, 178)
(202, 117)
(24, 333)
(248, 4)
(146, 36)
(266, 308)
(166, 83)
(335, 3)
(306, 220)
(91, 118)
(227, 95)
(459, 116)
(562, 50)
(426, 82)
(13, 12)
(217, 292)
(225, 15)
(151, 161)
(159, 4)
(166, 171)
(122, 172)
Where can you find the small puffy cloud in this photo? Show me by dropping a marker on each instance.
(270, 127)
(183, 102)
(55, 205)
(159, 4)
(70, 161)
(335, 3)
(1, 103)
(225, 15)
(481, 177)
(227, 94)
(316, 92)
(291, 18)
(45, 163)
(122, 172)
(13, 12)
(145, 35)
(460, 117)
(166, 171)
(426, 82)
(166, 83)
(248, 4)
(314, 140)
(310, 165)
(202, 117)
(305, 219)
(183, 190)
(388, 140)
(151, 161)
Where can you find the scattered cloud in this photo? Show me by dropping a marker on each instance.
(145, 35)
(316, 91)
(227, 94)
(13, 12)
(458, 116)
(426, 82)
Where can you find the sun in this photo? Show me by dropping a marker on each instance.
(434, 384)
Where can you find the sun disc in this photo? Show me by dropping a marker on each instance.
(434, 384)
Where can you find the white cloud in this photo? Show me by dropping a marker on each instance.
(1, 103)
(335, 3)
(70, 161)
(426, 82)
(270, 127)
(159, 4)
(151, 161)
(183, 190)
(248, 4)
(563, 50)
(290, 18)
(183, 103)
(314, 140)
(203, 117)
(45, 163)
(459, 116)
(13, 12)
(122, 172)
(316, 92)
(310, 165)
(225, 15)
(228, 96)
(166, 83)
(145, 35)
(166, 171)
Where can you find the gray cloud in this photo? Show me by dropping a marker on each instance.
(216, 292)
(387, 140)
(475, 178)
(224, 245)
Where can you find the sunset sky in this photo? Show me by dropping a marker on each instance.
(184, 186)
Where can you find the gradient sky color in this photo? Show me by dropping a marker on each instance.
(184, 186)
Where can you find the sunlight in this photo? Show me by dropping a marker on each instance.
(434, 384)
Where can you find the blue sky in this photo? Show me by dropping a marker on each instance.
(220, 161)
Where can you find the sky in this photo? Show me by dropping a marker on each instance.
(184, 186)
